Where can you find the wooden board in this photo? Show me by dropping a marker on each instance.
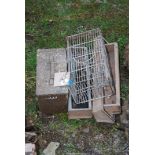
(78, 112)
(98, 112)
(112, 104)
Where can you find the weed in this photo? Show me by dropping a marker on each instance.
(70, 148)
(122, 42)
(124, 91)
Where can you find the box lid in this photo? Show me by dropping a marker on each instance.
(49, 62)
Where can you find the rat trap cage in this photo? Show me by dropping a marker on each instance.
(91, 77)
(88, 66)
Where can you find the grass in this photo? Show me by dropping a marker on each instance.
(70, 125)
(124, 91)
(47, 23)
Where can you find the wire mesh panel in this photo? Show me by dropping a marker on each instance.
(88, 66)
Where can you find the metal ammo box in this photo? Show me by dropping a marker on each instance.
(51, 99)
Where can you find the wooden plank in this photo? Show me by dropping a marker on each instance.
(112, 104)
(101, 116)
(78, 113)
(113, 108)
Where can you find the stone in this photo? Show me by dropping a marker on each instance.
(30, 149)
(50, 149)
(73, 134)
(86, 130)
(30, 137)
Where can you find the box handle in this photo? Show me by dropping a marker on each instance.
(52, 98)
(52, 70)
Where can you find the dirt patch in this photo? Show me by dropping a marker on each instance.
(99, 139)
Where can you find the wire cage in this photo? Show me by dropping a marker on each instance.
(88, 65)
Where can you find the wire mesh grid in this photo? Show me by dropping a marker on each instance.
(88, 66)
